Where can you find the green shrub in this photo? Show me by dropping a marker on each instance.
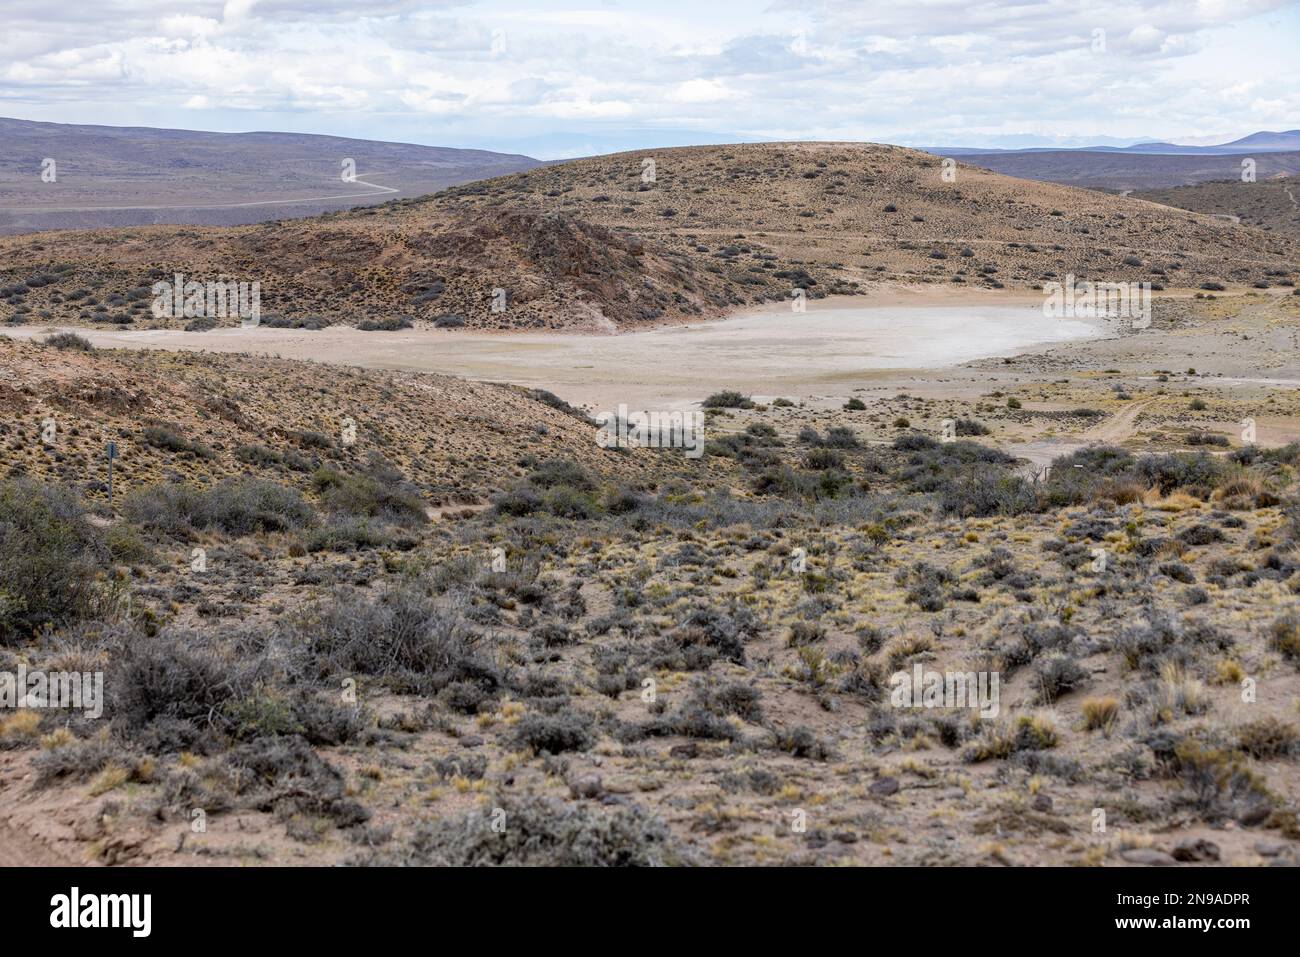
(165, 436)
(556, 472)
(49, 558)
(239, 506)
(728, 399)
(380, 493)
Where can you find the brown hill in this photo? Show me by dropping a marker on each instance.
(597, 243)
(1270, 205)
(1119, 171)
(203, 417)
(109, 176)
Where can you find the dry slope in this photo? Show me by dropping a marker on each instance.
(627, 239)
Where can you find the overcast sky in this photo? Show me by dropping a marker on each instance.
(559, 79)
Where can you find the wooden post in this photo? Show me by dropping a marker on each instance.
(112, 454)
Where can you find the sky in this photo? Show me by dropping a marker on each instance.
(557, 79)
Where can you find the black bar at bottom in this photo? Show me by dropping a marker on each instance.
(339, 906)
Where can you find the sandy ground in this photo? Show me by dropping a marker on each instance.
(833, 347)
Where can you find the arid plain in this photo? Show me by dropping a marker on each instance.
(425, 595)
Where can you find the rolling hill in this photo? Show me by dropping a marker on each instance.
(601, 243)
(1120, 171)
(107, 176)
(1271, 205)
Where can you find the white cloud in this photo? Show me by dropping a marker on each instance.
(701, 91)
(187, 26)
(930, 71)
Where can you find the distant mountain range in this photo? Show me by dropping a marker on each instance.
(1143, 166)
(1262, 142)
(66, 176)
(128, 176)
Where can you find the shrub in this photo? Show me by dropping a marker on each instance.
(174, 684)
(164, 436)
(346, 535)
(69, 340)
(804, 633)
(719, 633)
(387, 324)
(1028, 733)
(1284, 636)
(518, 501)
(49, 557)
(401, 635)
(1267, 738)
(554, 733)
(984, 491)
(1218, 781)
(381, 493)
(561, 472)
(239, 506)
(1108, 472)
(555, 402)
(542, 833)
(79, 760)
(258, 455)
(971, 427)
(1099, 713)
(728, 399)
(823, 458)
(286, 775)
(1058, 675)
(564, 501)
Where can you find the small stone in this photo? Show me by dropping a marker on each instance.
(1147, 855)
(686, 751)
(1042, 803)
(1197, 850)
(1256, 814)
(587, 786)
(816, 838)
(471, 741)
(1269, 848)
(884, 787)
